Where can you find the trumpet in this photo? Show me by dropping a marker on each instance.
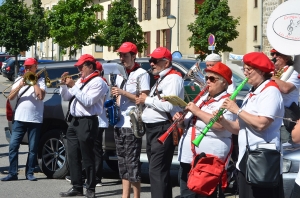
(63, 78)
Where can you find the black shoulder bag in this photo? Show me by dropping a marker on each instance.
(261, 167)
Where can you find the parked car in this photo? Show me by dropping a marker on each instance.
(52, 157)
(3, 57)
(8, 69)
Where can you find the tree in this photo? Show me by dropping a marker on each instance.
(73, 24)
(213, 19)
(121, 26)
(15, 28)
(40, 28)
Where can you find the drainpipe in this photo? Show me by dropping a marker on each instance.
(262, 25)
(178, 27)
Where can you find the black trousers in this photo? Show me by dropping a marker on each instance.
(160, 159)
(81, 134)
(248, 191)
(98, 151)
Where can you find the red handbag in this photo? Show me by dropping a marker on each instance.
(207, 171)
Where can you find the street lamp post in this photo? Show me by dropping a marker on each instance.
(171, 19)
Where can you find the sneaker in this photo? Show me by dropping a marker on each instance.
(99, 184)
(68, 178)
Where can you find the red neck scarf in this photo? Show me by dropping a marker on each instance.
(95, 73)
(135, 67)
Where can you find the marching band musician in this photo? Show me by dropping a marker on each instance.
(28, 117)
(128, 146)
(156, 119)
(289, 89)
(218, 140)
(296, 138)
(256, 119)
(86, 98)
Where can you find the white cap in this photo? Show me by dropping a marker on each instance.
(213, 57)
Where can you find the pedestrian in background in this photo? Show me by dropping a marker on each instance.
(28, 117)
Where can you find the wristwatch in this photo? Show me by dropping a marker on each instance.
(239, 111)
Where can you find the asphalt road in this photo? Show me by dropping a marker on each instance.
(50, 188)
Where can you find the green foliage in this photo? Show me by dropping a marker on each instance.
(73, 24)
(213, 18)
(40, 29)
(15, 26)
(121, 26)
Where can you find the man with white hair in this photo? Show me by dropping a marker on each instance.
(210, 61)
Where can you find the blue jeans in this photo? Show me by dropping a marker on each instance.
(18, 131)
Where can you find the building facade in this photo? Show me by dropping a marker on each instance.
(172, 32)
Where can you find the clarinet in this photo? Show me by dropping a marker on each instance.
(112, 110)
(198, 139)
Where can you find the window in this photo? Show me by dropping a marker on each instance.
(255, 33)
(198, 2)
(98, 48)
(147, 40)
(166, 7)
(99, 15)
(147, 9)
(166, 38)
(255, 3)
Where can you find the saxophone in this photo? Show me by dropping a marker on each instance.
(135, 113)
(278, 73)
(112, 110)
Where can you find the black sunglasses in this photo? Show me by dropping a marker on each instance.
(211, 78)
(155, 61)
(276, 53)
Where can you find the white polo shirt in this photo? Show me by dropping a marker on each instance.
(215, 142)
(265, 103)
(130, 86)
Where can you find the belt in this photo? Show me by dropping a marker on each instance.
(88, 117)
(151, 125)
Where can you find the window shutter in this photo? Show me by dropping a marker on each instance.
(140, 10)
(199, 2)
(148, 9)
(168, 7)
(168, 39)
(108, 7)
(157, 38)
(158, 9)
(132, 3)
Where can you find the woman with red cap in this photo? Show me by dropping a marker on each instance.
(217, 140)
(256, 119)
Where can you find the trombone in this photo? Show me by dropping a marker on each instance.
(30, 79)
(59, 79)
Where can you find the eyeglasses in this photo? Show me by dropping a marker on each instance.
(211, 78)
(124, 55)
(275, 53)
(80, 67)
(155, 61)
(210, 65)
(247, 69)
(28, 67)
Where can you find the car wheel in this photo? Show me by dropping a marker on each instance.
(113, 165)
(52, 155)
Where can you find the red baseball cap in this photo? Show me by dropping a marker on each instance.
(161, 52)
(223, 70)
(83, 58)
(127, 47)
(273, 50)
(99, 66)
(259, 60)
(30, 61)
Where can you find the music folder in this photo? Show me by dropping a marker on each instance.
(175, 100)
